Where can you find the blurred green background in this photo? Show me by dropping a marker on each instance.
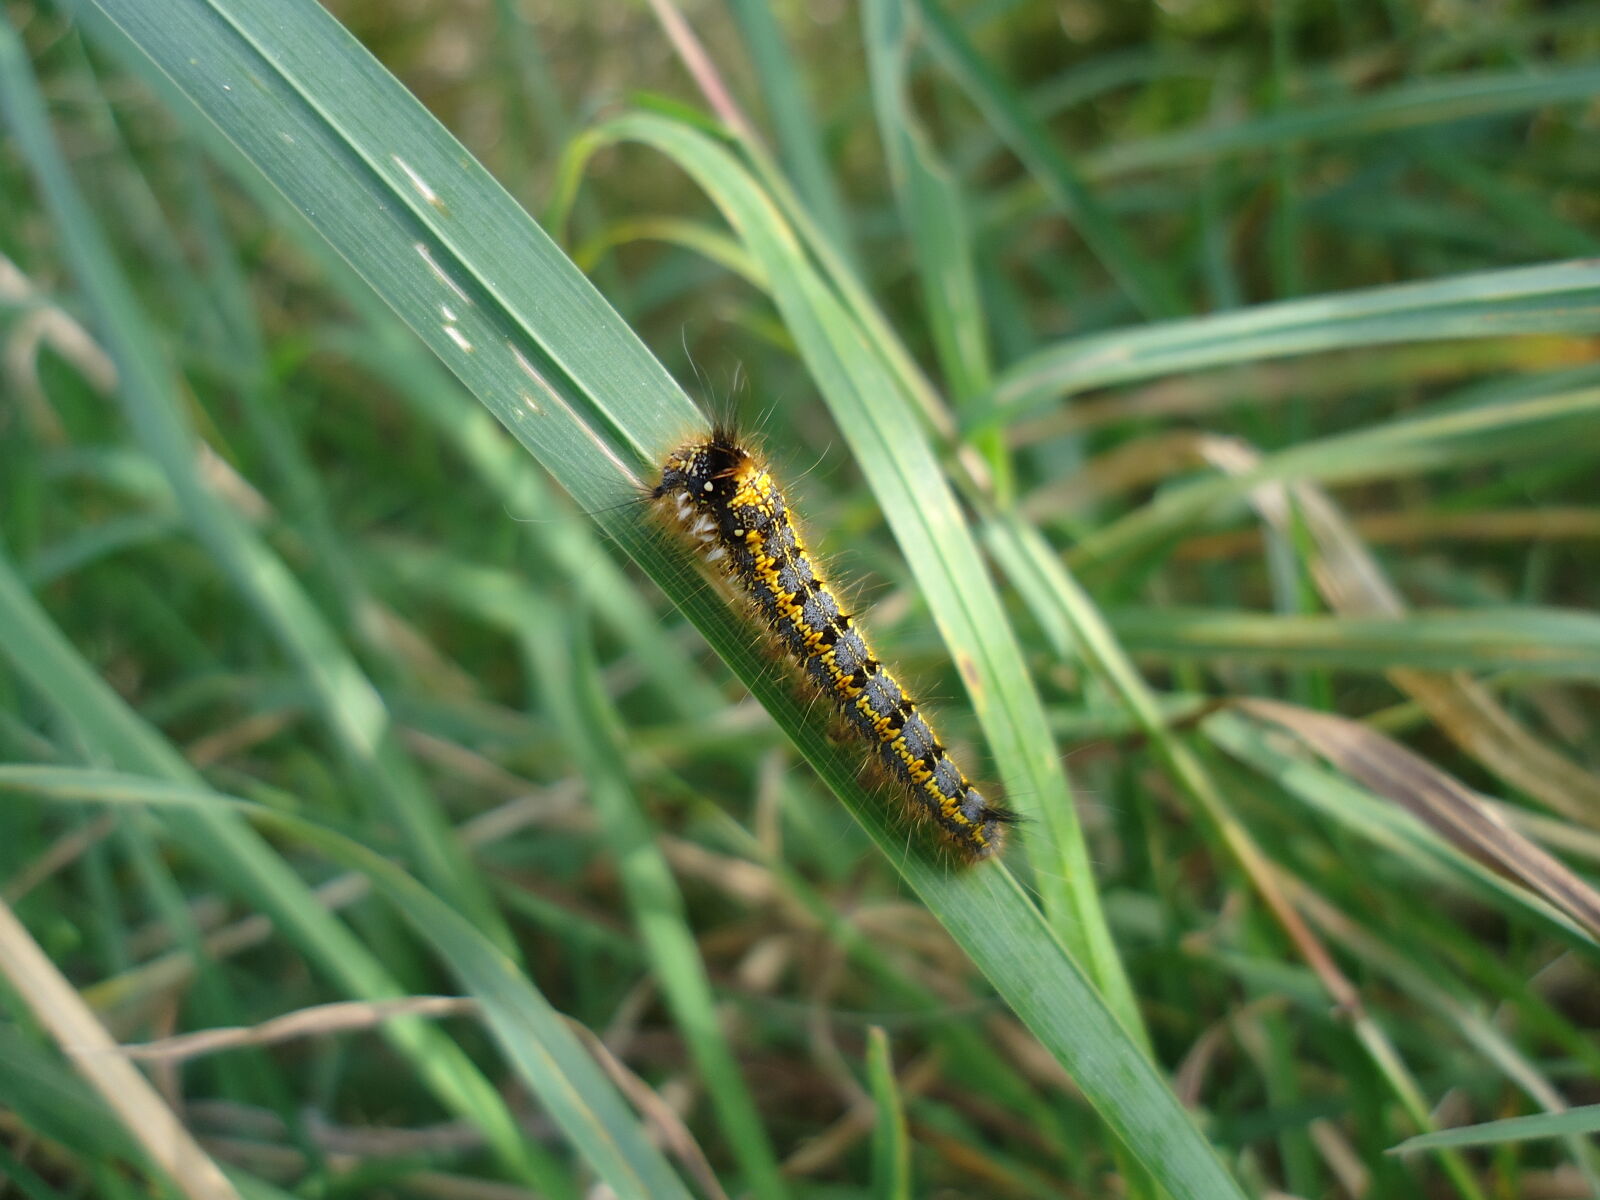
(1198, 401)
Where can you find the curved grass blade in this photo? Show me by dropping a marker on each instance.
(930, 204)
(933, 210)
(1378, 820)
(1454, 811)
(1551, 298)
(1575, 1121)
(799, 139)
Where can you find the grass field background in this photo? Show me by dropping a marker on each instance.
(1198, 401)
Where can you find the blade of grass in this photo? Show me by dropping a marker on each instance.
(1406, 106)
(1150, 289)
(891, 1151)
(587, 723)
(933, 211)
(1543, 642)
(1488, 433)
(800, 142)
(1483, 1033)
(1559, 297)
(1064, 604)
(1585, 1120)
(1379, 822)
(1454, 811)
(57, 1006)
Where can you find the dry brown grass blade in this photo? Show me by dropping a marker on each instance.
(42, 324)
(700, 67)
(1353, 584)
(59, 855)
(124, 1000)
(60, 1010)
(1437, 799)
(319, 1020)
(666, 1125)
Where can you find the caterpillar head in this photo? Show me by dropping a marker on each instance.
(704, 473)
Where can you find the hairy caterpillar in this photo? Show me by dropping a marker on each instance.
(719, 491)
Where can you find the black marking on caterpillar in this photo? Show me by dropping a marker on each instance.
(719, 491)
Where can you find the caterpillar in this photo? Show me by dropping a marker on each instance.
(720, 493)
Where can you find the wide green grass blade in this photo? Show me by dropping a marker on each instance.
(489, 293)
(1559, 297)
